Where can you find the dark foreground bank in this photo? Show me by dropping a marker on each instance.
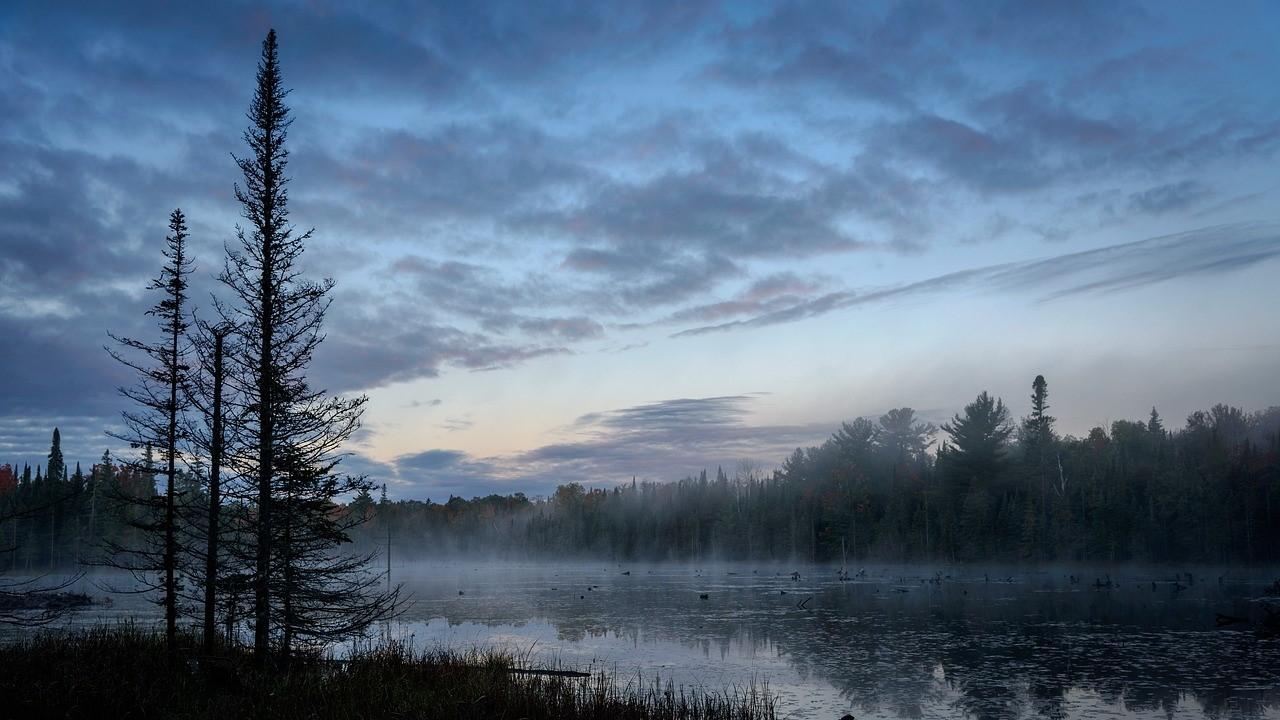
(123, 672)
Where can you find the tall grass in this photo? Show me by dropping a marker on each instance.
(123, 672)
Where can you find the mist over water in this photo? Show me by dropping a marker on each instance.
(894, 642)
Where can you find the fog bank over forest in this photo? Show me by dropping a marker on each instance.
(983, 486)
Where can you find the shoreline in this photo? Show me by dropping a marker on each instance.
(124, 672)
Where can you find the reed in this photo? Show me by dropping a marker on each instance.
(123, 672)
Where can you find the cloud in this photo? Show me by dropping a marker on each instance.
(1169, 196)
(667, 440)
(499, 183)
(444, 472)
(1115, 268)
(664, 440)
(359, 464)
(897, 55)
(379, 345)
(26, 440)
(457, 424)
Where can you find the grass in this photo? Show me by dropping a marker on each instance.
(123, 673)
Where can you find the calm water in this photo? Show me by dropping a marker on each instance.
(895, 643)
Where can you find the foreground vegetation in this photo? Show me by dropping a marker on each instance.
(124, 672)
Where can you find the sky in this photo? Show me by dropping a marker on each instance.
(590, 242)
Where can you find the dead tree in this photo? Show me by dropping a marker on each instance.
(208, 436)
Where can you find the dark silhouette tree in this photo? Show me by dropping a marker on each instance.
(161, 395)
(1154, 425)
(903, 437)
(1037, 438)
(972, 462)
(57, 465)
(979, 439)
(289, 434)
(213, 343)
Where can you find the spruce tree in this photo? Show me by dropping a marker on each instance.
(57, 465)
(1154, 425)
(1037, 441)
(161, 395)
(290, 434)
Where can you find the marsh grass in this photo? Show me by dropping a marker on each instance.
(123, 672)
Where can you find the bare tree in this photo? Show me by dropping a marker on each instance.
(212, 343)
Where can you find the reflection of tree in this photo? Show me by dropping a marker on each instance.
(987, 649)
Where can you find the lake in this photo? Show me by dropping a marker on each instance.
(893, 642)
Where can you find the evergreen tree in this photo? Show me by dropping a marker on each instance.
(979, 438)
(1154, 425)
(974, 462)
(161, 394)
(1037, 438)
(903, 437)
(292, 433)
(57, 466)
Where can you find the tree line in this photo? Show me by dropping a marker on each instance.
(992, 489)
(982, 487)
(228, 509)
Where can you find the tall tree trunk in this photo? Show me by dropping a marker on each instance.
(266, 412)
(262, 587)
(171, 449)
(215, 497)
(286, 560)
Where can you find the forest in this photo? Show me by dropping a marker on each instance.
(989, 489)
(983, 487)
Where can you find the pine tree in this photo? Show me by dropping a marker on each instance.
(979, 437)
(973, 462)
(902, 437)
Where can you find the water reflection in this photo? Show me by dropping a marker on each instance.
(896, 643)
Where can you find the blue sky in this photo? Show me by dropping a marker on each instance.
(586, 242)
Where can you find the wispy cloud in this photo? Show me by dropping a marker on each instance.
(1108, 269)
(663, 440)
